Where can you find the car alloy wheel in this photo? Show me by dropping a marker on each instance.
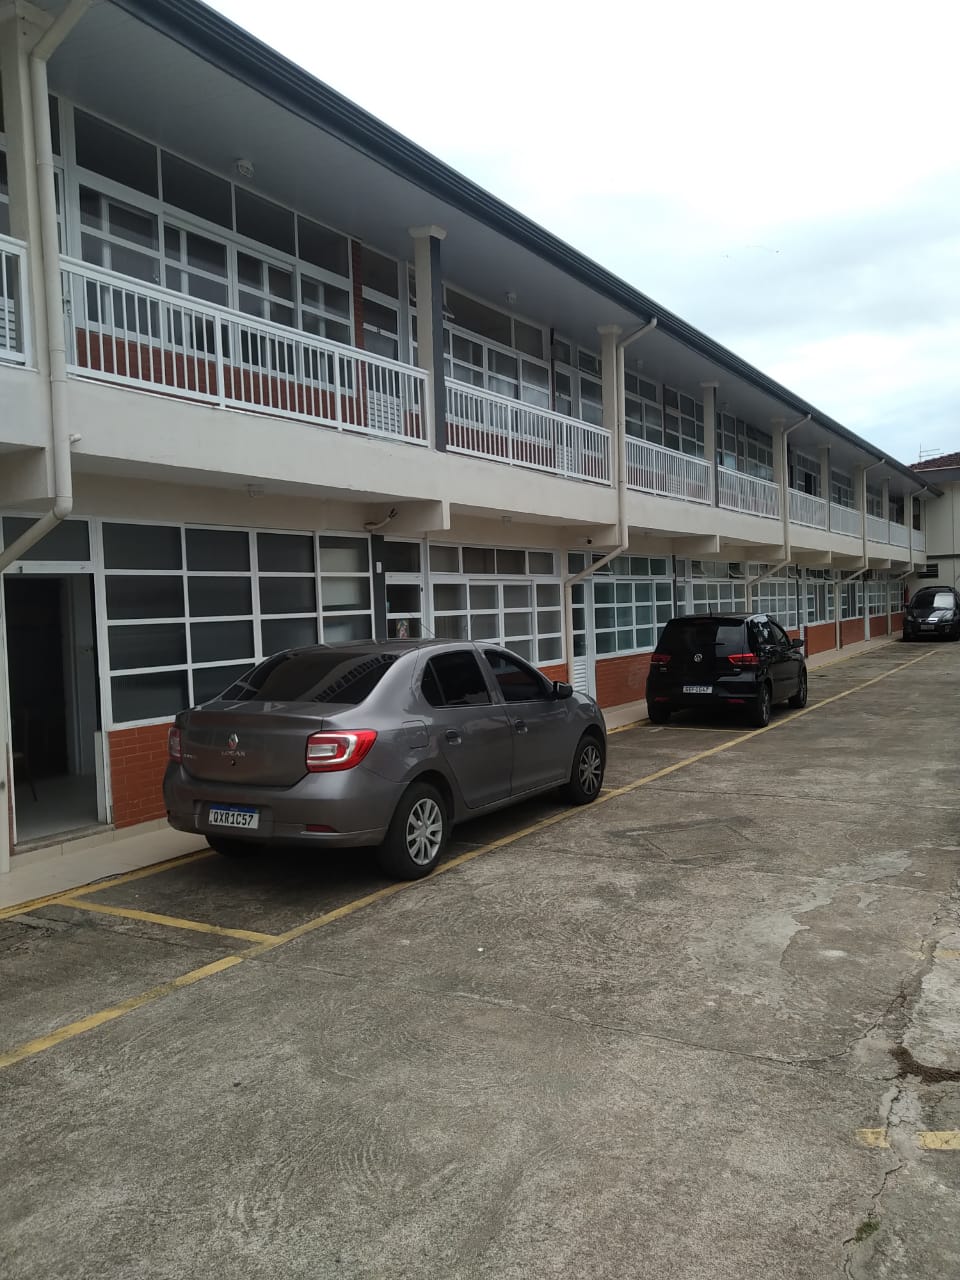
(590, 769)
(424, 832)
(799, 699)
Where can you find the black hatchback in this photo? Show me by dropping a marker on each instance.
(933, 611)
(747, 663)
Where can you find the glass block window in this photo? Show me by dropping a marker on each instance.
(818, 588)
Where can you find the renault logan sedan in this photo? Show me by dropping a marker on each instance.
(373, 743)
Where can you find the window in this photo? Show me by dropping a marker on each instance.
(682, 423)
(324, 248)
(644, 416)
(69, 540)
(4, 196)
(113, 153)
(841, 489)
(196, 190)
(874, 502)
(119, 237)
(517, 682)
(629, 614)
(455, 680)
(804, 473)
(819, 595)
(851, 600)
(777, 595)
(264, 221)
(742, 447)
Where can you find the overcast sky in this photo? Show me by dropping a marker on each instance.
(785, 177)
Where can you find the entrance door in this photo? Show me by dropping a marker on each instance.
(54, 703)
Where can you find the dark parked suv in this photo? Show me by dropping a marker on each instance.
(725, 661)
(933, 611)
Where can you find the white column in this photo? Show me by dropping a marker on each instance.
(781, 475)
(710, 390)
(825, 477)
(426, 269)
(613, 393)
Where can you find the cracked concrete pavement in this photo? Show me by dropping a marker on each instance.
(641, 1042)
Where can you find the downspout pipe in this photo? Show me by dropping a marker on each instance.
(50, 261)
(623, 530)
(56, 342)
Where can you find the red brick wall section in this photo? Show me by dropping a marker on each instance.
(138, 758)
(878, 626)
(621, 680)
(896, 622)
(821, 637)
(557, 671)
(851, 631)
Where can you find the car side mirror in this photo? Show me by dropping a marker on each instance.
(562, 690)
(796, 644)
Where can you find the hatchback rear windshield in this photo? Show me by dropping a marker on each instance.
(324, 675)
(931, 599)
(693, 635)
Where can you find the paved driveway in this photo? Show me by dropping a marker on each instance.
(707, 1027)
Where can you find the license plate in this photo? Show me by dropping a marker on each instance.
(698, 688)
(927, 626)
(234, 815)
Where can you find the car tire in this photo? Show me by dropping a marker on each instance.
(234, 848)
(658, 714)
(586, 773)
(799, 699)
(417, 834)
(760, 716)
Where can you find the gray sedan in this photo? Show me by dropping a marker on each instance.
(374, 743)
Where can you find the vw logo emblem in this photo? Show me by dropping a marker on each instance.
(697, 657)
(233, 742)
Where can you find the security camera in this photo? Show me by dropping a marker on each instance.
(589, 542)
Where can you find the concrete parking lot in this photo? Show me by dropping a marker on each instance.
(707, 1027)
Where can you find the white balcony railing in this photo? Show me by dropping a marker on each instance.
(919, 541)
(845, 520)
(807, 510)
(739, 492)
(121, 330)
(900, 535)
(486, 425)
(654, 469)
(877, 528)
(13, 327)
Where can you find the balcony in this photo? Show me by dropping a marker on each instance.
(486, 425)
(900, 535)
(13, 328)
(919, 541)
(739, 492)
(807, 510)
(877, 529)
(139, 335)
(653, 469)
(845, 520)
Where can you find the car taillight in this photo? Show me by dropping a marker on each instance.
(175, 745)
(743, 659)
(660, 660)
(329, 752)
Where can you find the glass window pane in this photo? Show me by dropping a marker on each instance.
(448, 596)
(485, 626)
(288, 633)
(149, 696)
(344, 594)
(548, 593)
(264, 221)
(141, 546)
(218, 549)
(401, 557)
(144, 597)
(323, 247)
(452, 627)
(483, 596)
(541, 562)
(403, 598)
(217, 641)
(210, 682)
(518, 624)
(479, 560)
(115, 154)
(344, 555)
(339, 630)
(516, 597)
(528, 339)
(189, 187)
(548, 620)
(285, 552)
(460, 679)
(379, 273)
(550, 650)
(479, 318)
(69, 540)
(510, 562)
(288, 595)
(161, 644)
(444, 559)
(219, 597)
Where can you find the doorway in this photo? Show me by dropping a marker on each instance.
(54, 704)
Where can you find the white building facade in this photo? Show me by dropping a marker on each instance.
(270, 374)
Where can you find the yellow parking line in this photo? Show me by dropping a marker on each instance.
(173, 922)
(926, 1139)
(154, 869)
(40, 1045)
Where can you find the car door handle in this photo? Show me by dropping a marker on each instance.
(520, 726)
(453, 737)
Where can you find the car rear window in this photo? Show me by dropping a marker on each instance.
(324, 675)
(692, 635)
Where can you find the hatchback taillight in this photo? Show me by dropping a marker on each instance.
(329, 752)
(743, 659)
(660, 660)
(175, 744)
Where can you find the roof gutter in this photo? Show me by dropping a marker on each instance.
(53, 296)
(619, 452)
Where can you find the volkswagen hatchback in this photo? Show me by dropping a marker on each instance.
(933, 611)
(745, 663)
(372, 743)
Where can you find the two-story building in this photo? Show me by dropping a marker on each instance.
(272, 374)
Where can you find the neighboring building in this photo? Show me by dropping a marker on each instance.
(942, 547)
(293, 378)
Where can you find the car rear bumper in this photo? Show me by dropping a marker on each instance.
(730, 691)
(930, 629)
(355, 807)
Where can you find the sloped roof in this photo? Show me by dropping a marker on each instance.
(938, 464)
